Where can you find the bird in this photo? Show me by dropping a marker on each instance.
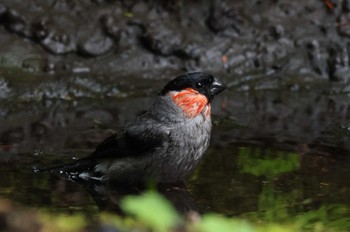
(162, 145)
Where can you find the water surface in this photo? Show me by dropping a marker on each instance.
(273, 155)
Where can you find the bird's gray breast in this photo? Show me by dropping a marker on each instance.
(188, 141)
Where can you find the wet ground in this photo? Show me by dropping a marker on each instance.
(280, 143)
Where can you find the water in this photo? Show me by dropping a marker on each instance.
(237, 180)
(273, 155)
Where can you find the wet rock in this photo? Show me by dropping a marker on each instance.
(140, 8)
(62, 33)
(40, 28)
(96, 44)
(2, 11)
(346, 5)
(31, 65)
(191, 50)
(14, 22)
(222, 16)
(111, 27)
(59, 43)
(190, 37)
(277, 31)
(4, 89)
(14, 135)
(162, 39)
(318, 57)
(78, 69)
(343, 25)
(101, 39)
(338, 63)
(270, 51)
(49, 67)
(38, 130)
(55, 36)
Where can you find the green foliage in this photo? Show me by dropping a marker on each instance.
(327, 216)
(214, 222)
(152, 212)
(152, 209)
(157, 213)
(62, 222)
(267, 162)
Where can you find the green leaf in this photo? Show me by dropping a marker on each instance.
(214, 222)
(152, 209)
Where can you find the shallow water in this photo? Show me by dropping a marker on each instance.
(232, 179)
(273, 154)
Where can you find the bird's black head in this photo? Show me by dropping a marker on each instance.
(204, 83)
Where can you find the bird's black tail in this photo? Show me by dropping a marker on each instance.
(74, 168)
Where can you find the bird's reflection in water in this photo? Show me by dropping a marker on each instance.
(108, 196)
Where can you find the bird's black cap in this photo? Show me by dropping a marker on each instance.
(204, 83)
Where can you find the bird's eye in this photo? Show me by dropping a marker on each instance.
(199, 85)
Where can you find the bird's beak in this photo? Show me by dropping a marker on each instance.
(217, 87)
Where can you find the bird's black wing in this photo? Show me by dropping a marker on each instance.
(139, 138)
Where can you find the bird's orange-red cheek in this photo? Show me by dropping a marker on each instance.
(191, 102)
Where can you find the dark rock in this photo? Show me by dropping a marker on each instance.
(49, 67)
(317, 57)
(96, 44)
(4, 89)
(55, 36)
(40, 29)
(140, 8)
(221, 17)
(162, 39)
(346, 5)
(277, 31)
(190, 50)
(344, 25)
(111, 27)
(2, 11)
(338, 63)
(38, 130)
(15, 135)
(59, 43)
(14, 22)
(175, 37)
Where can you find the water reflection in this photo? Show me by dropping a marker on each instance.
(273, 155)
(108, 197)
(270, 184)
(267, 162)
(262, 183)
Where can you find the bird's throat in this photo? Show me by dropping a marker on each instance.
(191, 102)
